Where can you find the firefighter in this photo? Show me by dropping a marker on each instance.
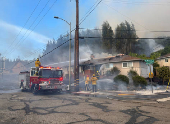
(151, 77)
(87, 83)
(98, 75)
(94, 82)
(37, 64)
(168, 86)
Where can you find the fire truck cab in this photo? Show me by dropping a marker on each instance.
(41, 79)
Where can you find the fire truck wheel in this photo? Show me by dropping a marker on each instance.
(22, 87)
(58, 91)
(35, 90)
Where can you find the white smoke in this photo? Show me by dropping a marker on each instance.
(154, 46)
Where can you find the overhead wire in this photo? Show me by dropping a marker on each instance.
(32, 25)
(128, 17)
(90, 12)
(139, 3)
(85, 15)
(82, 18)
(81, 37)
(44, 54)
(24, 24)
(125, 30)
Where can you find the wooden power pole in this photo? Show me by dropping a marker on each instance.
(76, 50)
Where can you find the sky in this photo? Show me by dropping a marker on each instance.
(27, 25)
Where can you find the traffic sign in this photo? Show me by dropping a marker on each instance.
(149, 61)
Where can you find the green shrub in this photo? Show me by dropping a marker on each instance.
(121, 78)
(138, 80)
(115, 70)
(132, 73)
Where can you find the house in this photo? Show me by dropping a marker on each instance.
(123, 62)
(18, 67)
(164, 60)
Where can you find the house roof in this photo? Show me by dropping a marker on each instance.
(111, 59)
(13, 67)
(164, 56)
(97, 61)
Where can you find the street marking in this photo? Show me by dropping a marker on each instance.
(125, 94)
(163, 99)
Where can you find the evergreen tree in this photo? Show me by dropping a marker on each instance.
(126, 38)
(108, 37)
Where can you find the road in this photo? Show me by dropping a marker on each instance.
(26, 108)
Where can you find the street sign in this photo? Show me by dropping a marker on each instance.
(149, 61)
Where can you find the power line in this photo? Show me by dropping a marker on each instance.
(90, 12)
(124, 30)
(44, 54)
(81, 19)
(24, 24)
(32, 25)
(126, 16)
(140, 3)
(81, 37)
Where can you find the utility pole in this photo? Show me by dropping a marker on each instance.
(2, 68)
(151, 78)
(76, 51)
(70, 59)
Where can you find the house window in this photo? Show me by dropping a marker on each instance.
(166, 60)
(127, 64)
(111, 65)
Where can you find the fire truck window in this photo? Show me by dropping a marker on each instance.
(32, 72)
(57, 74)
(46, 73)
(51, 73)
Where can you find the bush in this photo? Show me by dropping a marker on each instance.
(132, 73)
(138, 80)
(115, 71)
(121, 78)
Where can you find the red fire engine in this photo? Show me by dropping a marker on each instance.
(47, 78)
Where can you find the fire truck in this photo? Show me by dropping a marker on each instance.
(41, 79)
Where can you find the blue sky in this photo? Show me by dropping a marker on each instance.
(145, 14)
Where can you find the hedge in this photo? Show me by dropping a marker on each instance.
(121, 78)
(138, 80)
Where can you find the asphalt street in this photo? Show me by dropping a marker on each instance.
(47, 108)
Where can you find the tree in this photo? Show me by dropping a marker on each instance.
(115, 71)
(126, 38)
(164, 42)
(155, 66)
(132, 73)
(164, 73)
(166, 50)
(107, 35)
(155, 55)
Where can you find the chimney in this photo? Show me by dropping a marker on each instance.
(92, 57)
